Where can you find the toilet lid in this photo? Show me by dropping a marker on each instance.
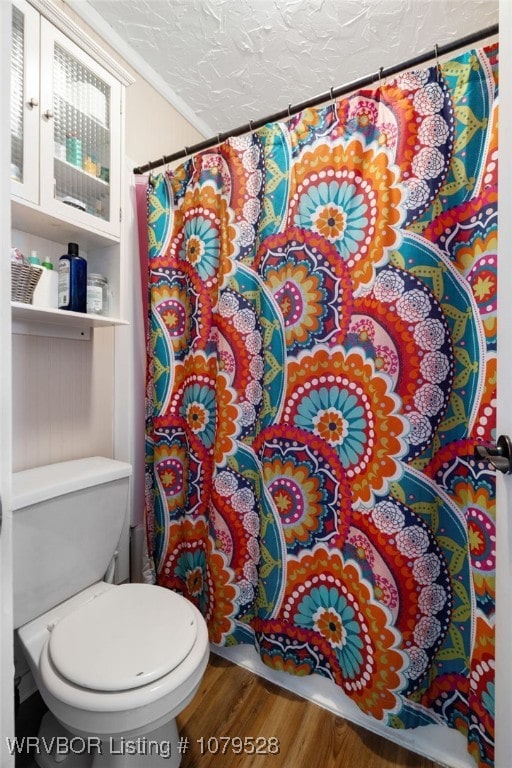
(124, 638)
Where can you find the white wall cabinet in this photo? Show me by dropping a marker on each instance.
(65, 128)
(67, 146)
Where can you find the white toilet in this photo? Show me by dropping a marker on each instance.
(114, 664)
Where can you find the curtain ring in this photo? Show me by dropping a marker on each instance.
(289, 111)
(332, 93)
(219, 140)
(250, 126)
(438, 66)
(151, 180)
(381, 70)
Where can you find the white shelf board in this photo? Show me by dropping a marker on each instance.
(45, 321)
(28, 217)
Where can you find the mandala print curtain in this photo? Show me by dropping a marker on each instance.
(322, 361)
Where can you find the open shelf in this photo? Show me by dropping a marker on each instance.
(28, 217)
(45, 321)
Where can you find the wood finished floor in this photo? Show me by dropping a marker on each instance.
(234, 702)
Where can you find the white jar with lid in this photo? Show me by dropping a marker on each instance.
(97, 294)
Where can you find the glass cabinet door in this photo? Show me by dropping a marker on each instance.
(25, 101)
(80, 141)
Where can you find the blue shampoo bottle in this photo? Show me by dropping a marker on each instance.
(73, 280)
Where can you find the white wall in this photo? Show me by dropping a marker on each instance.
(153, 127)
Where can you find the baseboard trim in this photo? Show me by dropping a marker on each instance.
(438, 743)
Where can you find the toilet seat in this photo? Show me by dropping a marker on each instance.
(124, 638)
(87, 711)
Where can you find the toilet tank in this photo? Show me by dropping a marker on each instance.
(67, 520)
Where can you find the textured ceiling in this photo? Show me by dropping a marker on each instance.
(232, 61)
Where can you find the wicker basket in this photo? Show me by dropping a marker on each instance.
(24, 278)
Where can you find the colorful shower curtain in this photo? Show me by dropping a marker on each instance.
(321, 364)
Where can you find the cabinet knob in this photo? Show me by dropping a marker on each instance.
(33, 103)
(48, 114)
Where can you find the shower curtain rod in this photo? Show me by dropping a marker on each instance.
(334, 93)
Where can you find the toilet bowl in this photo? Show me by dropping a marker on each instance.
(117, 696)
(115, 664)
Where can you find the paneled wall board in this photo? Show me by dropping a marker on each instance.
(62, 398)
